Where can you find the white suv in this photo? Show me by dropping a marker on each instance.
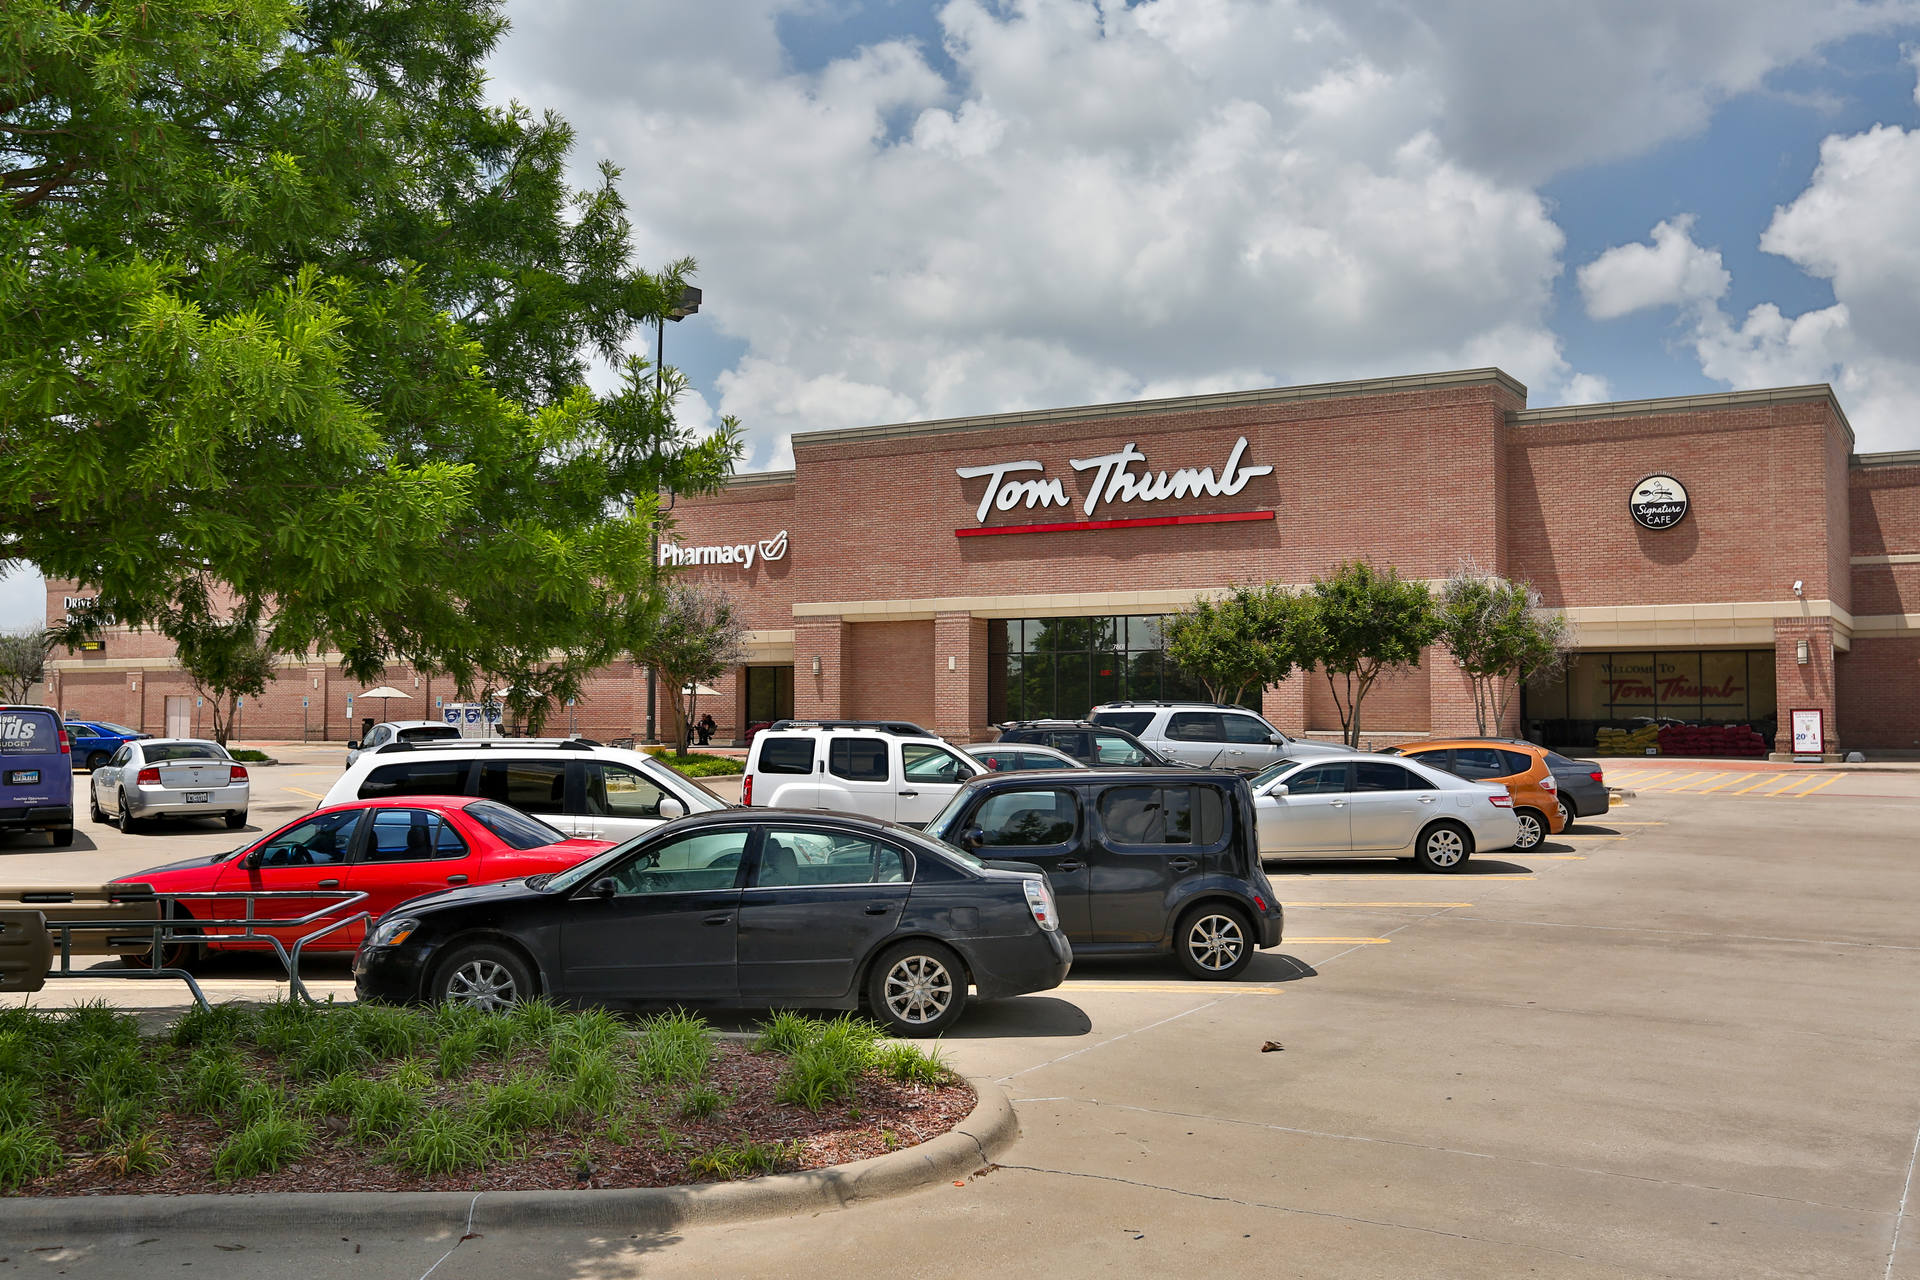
(581, 787)
(876, 768)
(1209, 734)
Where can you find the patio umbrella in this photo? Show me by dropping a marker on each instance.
(384, 692)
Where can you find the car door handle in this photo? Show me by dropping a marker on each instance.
(327, 884)
(725, 917)
(1428, 799)
(456, 879)
(877, 908)
(1068, 864)
(1337, 804)
(1182, 864)
(909, 793)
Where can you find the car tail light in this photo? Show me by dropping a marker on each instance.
(1598, 776)
(148, 777)
(746, 790)
(66, 745)
(1040, 902)
(1501, 802)
(1549, 785)
(236, 773)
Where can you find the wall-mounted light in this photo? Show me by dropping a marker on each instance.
(953, 663)
(816, 664)
(133, 685)
(1801, 653)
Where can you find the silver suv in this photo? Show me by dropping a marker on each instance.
(1208, 734)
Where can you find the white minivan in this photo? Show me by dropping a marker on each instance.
(580, 787)
(875, 768)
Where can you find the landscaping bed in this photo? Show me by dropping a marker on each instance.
(289, 1097)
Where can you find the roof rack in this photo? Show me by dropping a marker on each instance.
(901, 728)
(448, 744)
(1178, 702)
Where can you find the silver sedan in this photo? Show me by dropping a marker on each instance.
(170, 778)
(1379, 806)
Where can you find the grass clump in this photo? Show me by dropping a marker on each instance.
(441, 1142)
(457, 1051)
(376, 1108)
(211, 1080)
(386, 1033)
(141, 1152)
(910, 1064)
(521, 1102)
(329, 1049)
(673, 1048)
(785, 1033)
(269, 1139)
(19, 1101)
(702, 1102)
(595, 1086)
(256, 1102)
(26, 1152)
(219, 1024)
(742, 1159)
(534, 1020)
(284, 1026)
(826, 1067)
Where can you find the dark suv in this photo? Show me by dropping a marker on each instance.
(1097, 746)
(1142, 861)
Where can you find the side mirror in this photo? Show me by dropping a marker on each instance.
(604, 887)
(972, 838)
(353, 746)
(1278, 791)
(1277, 739)
(252, 861)
(671, 808)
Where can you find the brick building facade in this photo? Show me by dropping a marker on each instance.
(957, 572)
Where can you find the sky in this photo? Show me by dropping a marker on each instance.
(907, 209)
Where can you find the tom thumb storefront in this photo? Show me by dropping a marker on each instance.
(1730, 565)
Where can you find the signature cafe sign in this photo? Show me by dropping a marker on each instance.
(744, 554)
(1115, 480)
(1658, 502)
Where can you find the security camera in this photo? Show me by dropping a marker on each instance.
(1796, 586)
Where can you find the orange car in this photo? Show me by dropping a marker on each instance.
(1520, 765)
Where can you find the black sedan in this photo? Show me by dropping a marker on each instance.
(745, 908)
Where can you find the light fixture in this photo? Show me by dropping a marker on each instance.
(953, 663)
(316, 682)
(816, 664)
(133, 685)
(1797, 585)
(1801, 653)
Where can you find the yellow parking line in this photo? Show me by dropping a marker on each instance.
(1731, 779)
(1810, 790)
(1760, 781)
(1792, 782)
(1175, 988)
(1353, 941)
(302, 791)
(1557, 857)
(1291, 905)
(1712, 775)
(1673, 780)
(1661, 823)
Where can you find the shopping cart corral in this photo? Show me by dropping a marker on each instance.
(44, 928)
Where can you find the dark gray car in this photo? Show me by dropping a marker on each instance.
(1583, 783)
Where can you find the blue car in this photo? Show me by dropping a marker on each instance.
(94, 741)
(36, 773)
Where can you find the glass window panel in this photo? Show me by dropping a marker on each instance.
(1244, 729)
(1320, 780)
(531, 786)
(1677, 685)
(1176, 685)
(997, 639)
(1041, 637)
(1070, 635)
(1762, 696)
(1016, 819)
(1378, 775)
(1103, 633)
(1723, 687)
(1629, 678)
(999, 705)
(799, 858)
(703, 861)
(1148, 815)
(1587, 687)
(1075, 693)
(412, 835)
(1547, 696)
(924, 762)
(1143, 676)
(858, 759)
(786, 755)
(1143, 632)
(614, 790)
(1109, 678)
(320, 841)
(1036, 682)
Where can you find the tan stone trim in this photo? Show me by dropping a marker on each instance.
(1176, 404)
(1682, 404)
(1880, 626)
(1730, 624)
(1056, 605)
(1896, 458)
(764, 647)
(760, 479)
(1903, 557)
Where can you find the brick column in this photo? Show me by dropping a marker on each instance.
(1449, 696)
(1799, 686)
(960, 677)
(819, 697)
(1285, 704)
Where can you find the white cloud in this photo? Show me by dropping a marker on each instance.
(23, 596)
(1672, 271)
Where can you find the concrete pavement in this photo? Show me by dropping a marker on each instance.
(1676, 1042)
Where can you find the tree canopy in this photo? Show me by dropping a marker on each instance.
(696, 636)
(1247, 639)
(1500, 635)
(1360, 622)
(294, 325)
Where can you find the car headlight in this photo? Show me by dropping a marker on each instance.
(392, 933)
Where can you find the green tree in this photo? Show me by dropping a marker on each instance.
(224, 661)
(1246, 639)
(696, 634)
(1499, 633)
(1359, 622)
(23, 661)
(286, 307)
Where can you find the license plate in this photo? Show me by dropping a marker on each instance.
(197, 797)
(24, 777)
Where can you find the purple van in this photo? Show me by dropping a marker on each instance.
(36, 773)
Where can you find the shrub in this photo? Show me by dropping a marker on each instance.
(247, 755)
(411, 1074)
(742, 1159)
(673, 1048)
(784, 1033)
(440, 1142)
(26, 1152)
(211, 1081)
(213, 1024)
(269, 1140)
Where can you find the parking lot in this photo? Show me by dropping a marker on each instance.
(1676, 1041)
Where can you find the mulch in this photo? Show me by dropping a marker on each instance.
(883, 1116)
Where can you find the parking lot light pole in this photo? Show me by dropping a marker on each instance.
(688, 304)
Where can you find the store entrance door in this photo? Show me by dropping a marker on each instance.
(769, 696)
(179, 718)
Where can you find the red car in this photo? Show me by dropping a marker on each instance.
(392, 849)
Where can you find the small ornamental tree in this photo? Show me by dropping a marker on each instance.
(226, 661)
(1501, 636)
(1356, 624)
(23, 661)
(1244, 640)
(695, 635)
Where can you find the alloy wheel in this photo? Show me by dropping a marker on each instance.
(1445, 848)
(918, 989)
(483, 984)
(1532, 831)
(1216, 942)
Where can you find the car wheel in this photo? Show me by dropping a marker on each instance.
(62, 837)
(127, 822)
(1444, 846)
(1533, 828)
(94, 810)
(1566, 815)
(95, 759)
(484, 976)
(1213, 942)
(174, 955)
(235, 821)
(917, 988)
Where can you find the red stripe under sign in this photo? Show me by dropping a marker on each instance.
(1144, 522)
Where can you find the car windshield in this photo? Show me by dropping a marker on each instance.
(513, 826)
(159, 752)
(1272, 773)
(938, 827)
(560, 882)
(429, 733)
(110, 727)
(690, 793)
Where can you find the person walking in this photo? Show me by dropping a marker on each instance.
(706, 727)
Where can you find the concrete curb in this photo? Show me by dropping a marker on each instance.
(989, 1129)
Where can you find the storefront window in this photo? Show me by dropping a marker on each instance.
(1045, 668)
(1629, 689)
